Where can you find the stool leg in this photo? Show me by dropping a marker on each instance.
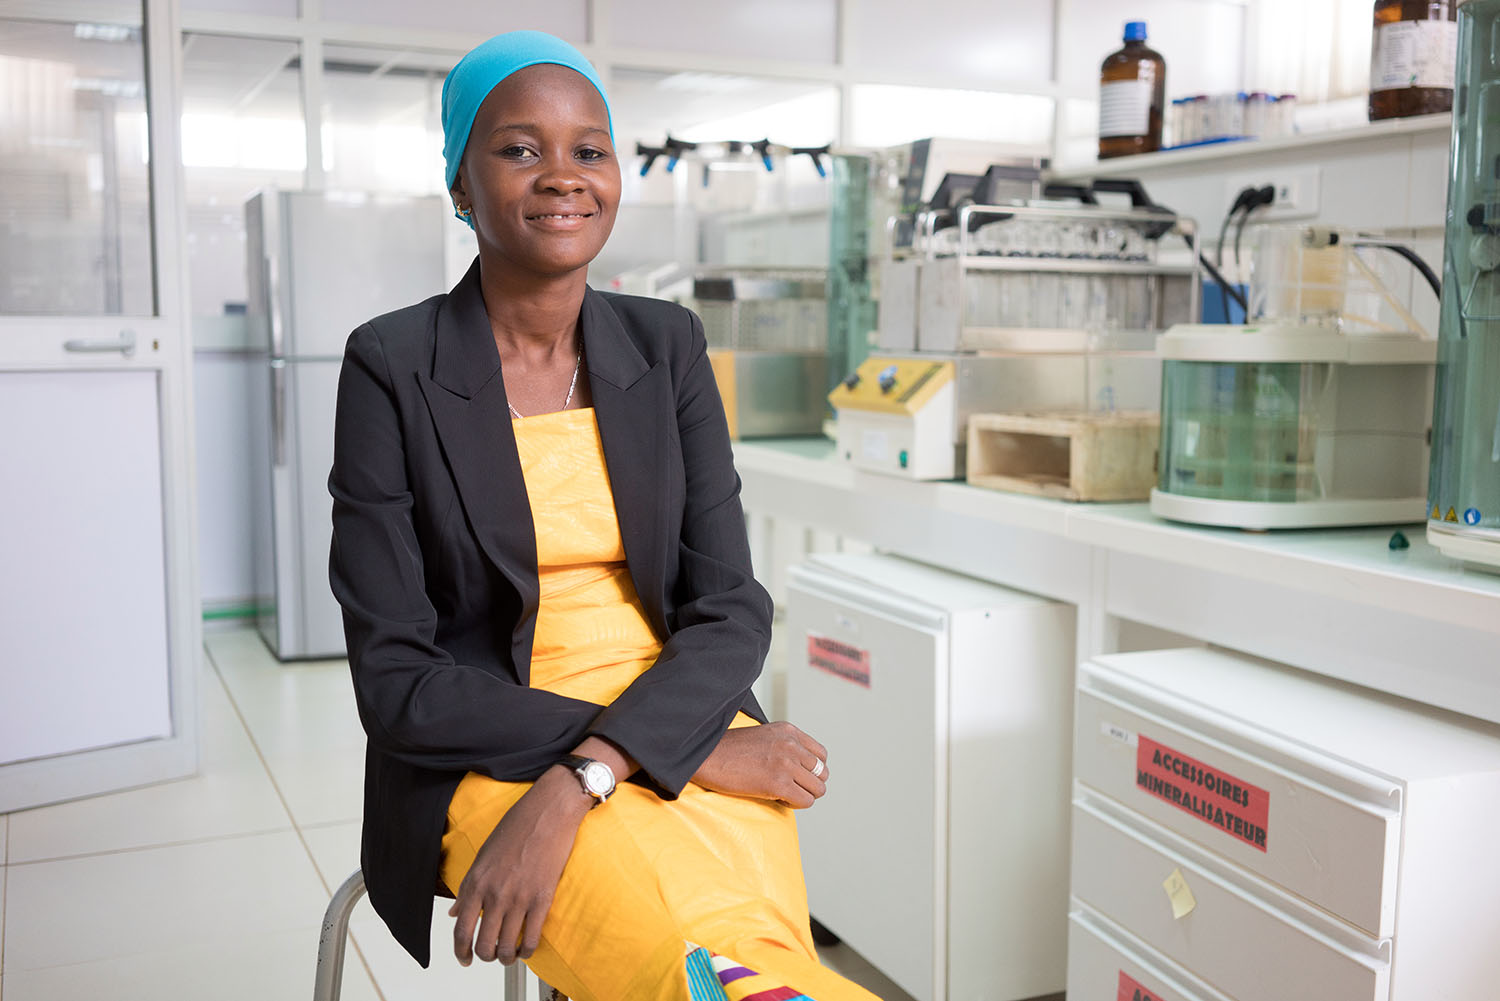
(515, 981)
(329, 981)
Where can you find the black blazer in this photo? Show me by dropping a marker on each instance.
(434, 563)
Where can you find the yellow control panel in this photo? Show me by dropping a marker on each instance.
(892, 385)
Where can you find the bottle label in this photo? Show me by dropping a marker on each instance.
(1125, 108)
(1414, 54)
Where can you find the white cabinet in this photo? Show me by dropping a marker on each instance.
(1334, 843)
(939, 852)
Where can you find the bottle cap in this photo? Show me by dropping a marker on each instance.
(1135, 31)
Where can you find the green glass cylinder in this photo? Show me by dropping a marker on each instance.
(851, 304)
(1240, 431)
(1464, 486)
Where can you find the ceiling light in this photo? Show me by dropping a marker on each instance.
(105, 32)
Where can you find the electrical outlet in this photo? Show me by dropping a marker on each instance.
(1297, 192)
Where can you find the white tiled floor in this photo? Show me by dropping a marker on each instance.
(214, 886)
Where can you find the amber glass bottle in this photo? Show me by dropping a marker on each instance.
(1412, 57)
(1132, 92)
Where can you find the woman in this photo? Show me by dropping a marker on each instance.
(552, 624)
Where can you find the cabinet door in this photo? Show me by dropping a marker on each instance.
(869, 680)
(98, 594)
(86, 665)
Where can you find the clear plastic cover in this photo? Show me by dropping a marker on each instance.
(1242, 431)
(1354, 285)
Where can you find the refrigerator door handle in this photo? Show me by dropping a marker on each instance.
(278, 413)
(273, 305)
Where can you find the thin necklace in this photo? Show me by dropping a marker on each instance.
(572, 384)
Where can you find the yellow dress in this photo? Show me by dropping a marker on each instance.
(648, 879)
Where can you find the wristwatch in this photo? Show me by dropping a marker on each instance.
(595, 776)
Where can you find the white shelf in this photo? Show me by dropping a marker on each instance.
(1146, 164)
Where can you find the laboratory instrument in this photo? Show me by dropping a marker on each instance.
(940, 850)
(1043, 307)
(1279, 836)
(1316, 413)
(1464, 490)
(319, 265)
(767, 333)
(876, 196)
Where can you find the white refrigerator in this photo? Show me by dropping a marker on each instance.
(940, 852)
(320, 264)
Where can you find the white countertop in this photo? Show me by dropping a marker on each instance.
(1352, 564)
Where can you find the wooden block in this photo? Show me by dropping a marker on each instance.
(1077, 457)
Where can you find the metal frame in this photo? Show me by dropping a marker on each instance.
(164, 346)
(328, 982)
(311, 32)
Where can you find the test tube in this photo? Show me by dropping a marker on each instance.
(1286, 114)
(1255, 115)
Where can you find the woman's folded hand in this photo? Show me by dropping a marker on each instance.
(509, 889)
(772, 761)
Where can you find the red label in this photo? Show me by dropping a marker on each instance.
(1236, 807)
(837, 658)
(1132, 991)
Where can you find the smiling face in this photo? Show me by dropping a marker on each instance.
(539, 172)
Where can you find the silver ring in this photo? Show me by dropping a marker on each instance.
(817, 768)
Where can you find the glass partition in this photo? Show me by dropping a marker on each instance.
(564, 18)
(75, 202)
(886, 115)
(382, 119)
(242, 130)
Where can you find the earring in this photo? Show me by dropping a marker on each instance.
(465, 213)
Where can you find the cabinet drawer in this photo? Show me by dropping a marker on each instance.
(1248, 938)
(1103, 965)
(1313, 824)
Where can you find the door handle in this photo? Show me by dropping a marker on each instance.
(278, 413)
(125, 344)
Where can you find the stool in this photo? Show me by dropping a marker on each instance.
(330, 976)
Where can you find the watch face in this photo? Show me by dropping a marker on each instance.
(598, 779)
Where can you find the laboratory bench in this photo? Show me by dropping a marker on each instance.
(1340, 602)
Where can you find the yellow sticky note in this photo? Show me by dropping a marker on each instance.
(1178, 893)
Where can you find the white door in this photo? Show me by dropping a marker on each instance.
(98, 596)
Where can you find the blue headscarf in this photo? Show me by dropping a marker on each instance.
(478, 73)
